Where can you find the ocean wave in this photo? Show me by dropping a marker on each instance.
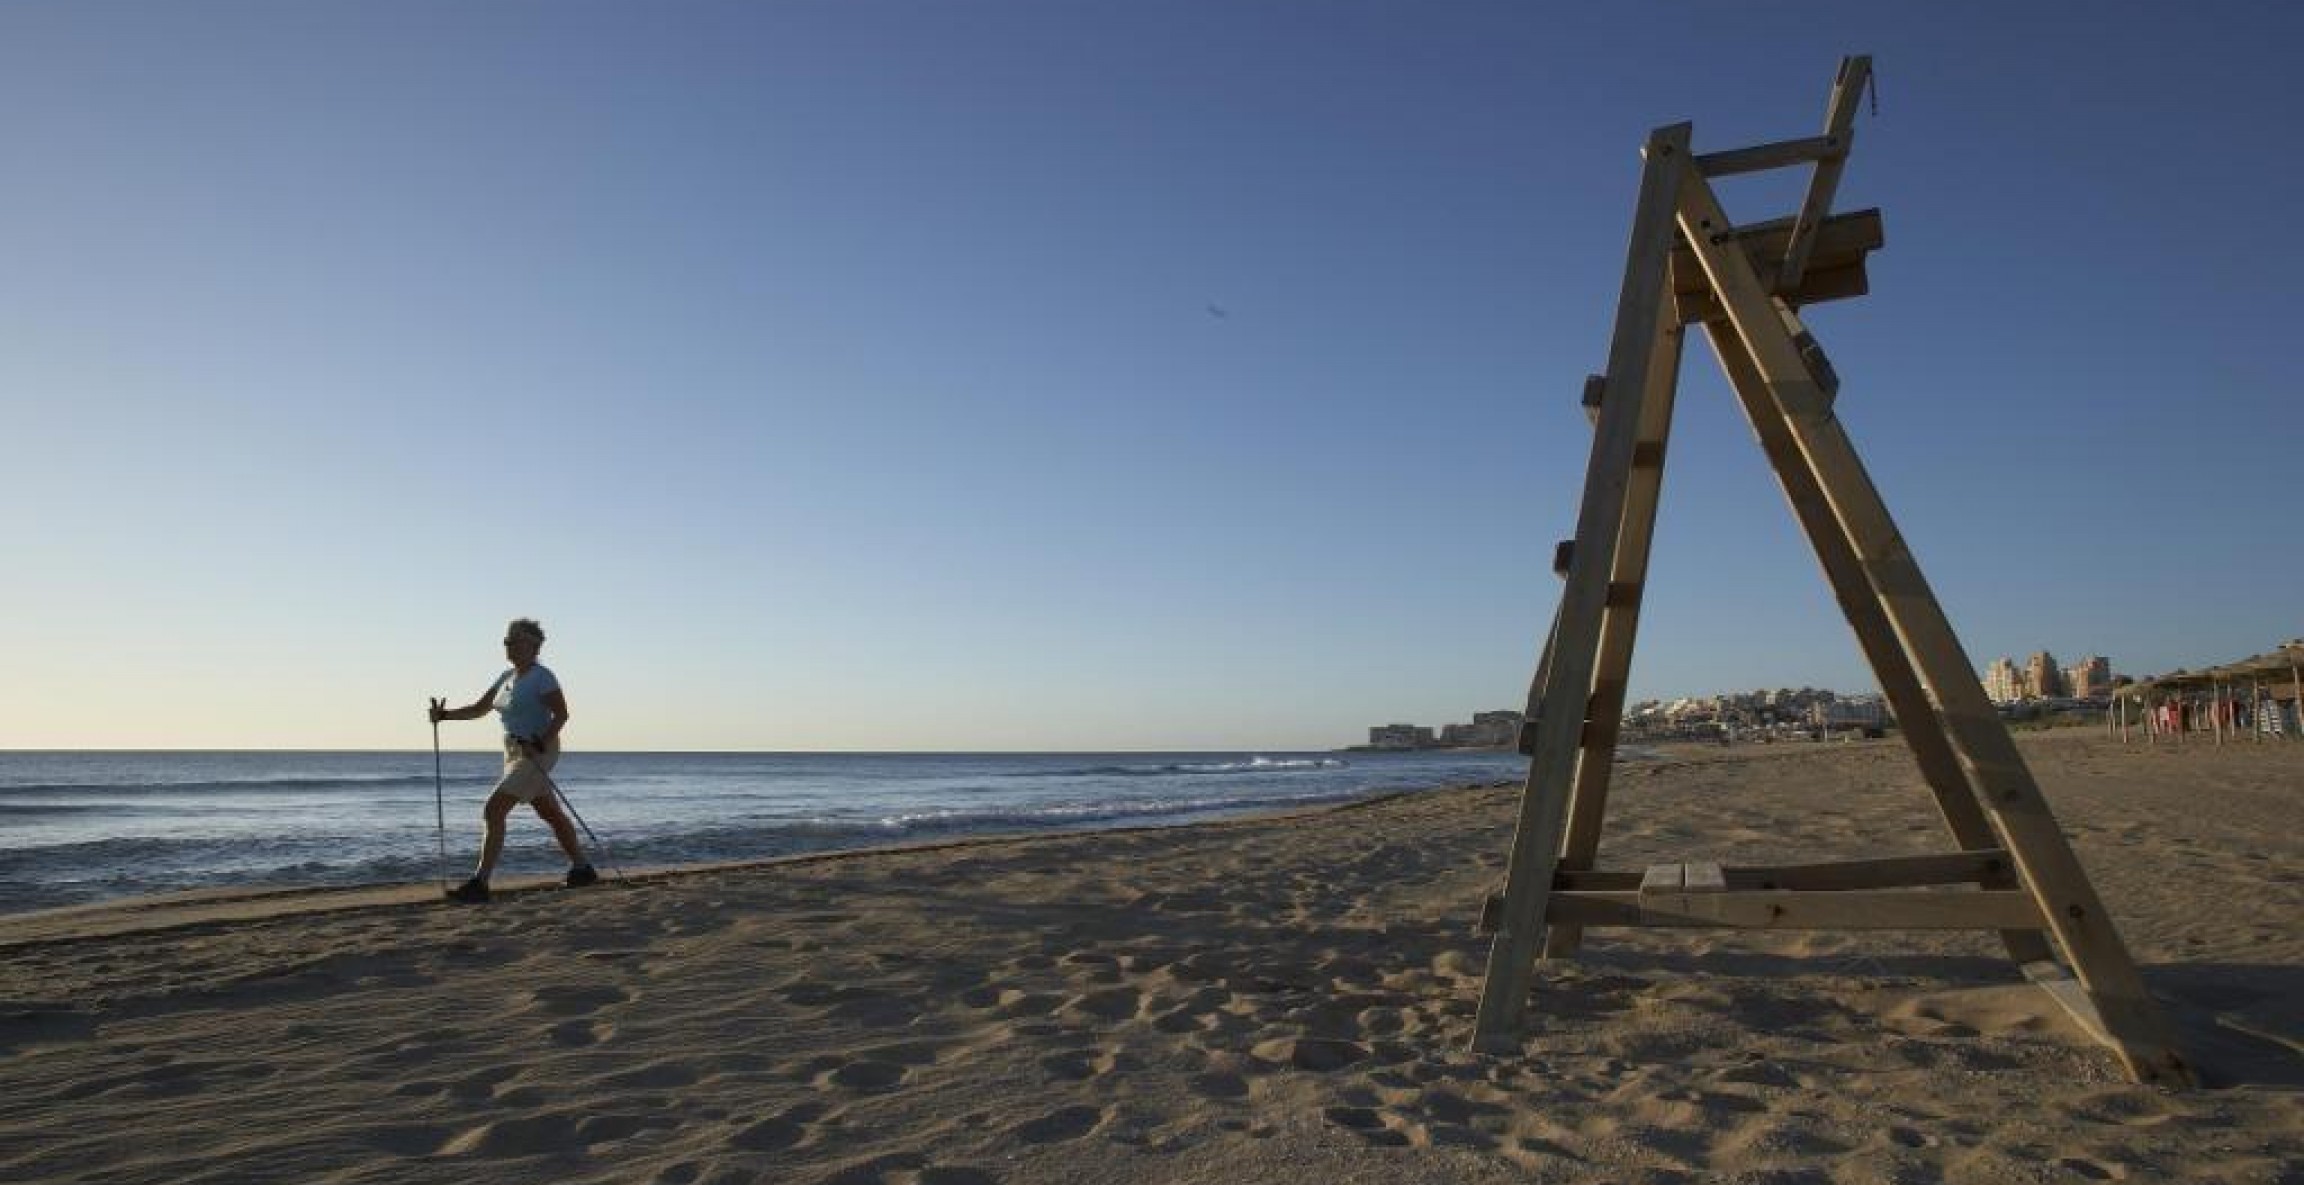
(266, 785)
(945, 820)
(1254, 765)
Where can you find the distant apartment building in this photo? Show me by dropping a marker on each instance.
(2003, 683)
(2042, 677)
(1487, 730)
(2090, 678)
(1400, 736)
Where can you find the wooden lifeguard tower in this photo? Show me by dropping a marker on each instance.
(1689, 265)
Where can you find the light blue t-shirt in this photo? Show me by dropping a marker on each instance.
(520, 700)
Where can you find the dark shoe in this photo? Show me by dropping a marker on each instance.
(582, 875)
(471, 892)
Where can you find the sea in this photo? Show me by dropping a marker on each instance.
(80, 827)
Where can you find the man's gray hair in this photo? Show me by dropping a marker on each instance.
(526, 627)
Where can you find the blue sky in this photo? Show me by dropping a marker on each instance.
(1075, 375)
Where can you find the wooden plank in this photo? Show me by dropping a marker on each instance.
(1661, 878)
(2005, 787)
(2000, 909)
(1989, 867)
(1544, 794)
(1762, 157)
(1840, 122)
(1880, 872)
(1595, 388)
(1525, 741)
(1923, 729)
(1843, 240)
(1820, 285)
(1704, 877)
(1886, 872)
(1619, 627)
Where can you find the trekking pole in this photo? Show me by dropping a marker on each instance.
(589, 834)
(440, 796)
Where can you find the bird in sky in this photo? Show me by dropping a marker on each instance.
(1219, 312)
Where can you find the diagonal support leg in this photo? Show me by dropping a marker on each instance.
(1619, 628)
(1916, 717)
(2007, 792)
(1640, 311)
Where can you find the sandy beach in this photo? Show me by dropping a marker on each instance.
(1283, 999)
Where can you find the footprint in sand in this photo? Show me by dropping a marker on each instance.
(608, 1129)
(1079, 1064)
(781, 1131)
(577, 1033)
(653, 1076)
(575, 999)
(1103, 1006)
(481, 1084)
(1063, 1123)
(1219, 1085)
(1013, 1003)
(533, 1135)
(404, 1139)
(908, 1168)
(864, 1076)
(1310, 1053)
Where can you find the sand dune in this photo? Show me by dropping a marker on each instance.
(1269, 1000)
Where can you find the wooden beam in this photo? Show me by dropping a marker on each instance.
(1761, 157)
(1821, 285)
(1842, 240)
(1862, 909)
(1640, 317)
(1885, 872)
(1840, 123)
(1620, 626)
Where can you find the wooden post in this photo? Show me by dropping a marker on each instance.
(2043, 856)
(1640, 316)
(1619, 628)
(1839, 124)
(2295, 678)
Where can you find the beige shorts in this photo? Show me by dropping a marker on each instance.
(524, 776)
